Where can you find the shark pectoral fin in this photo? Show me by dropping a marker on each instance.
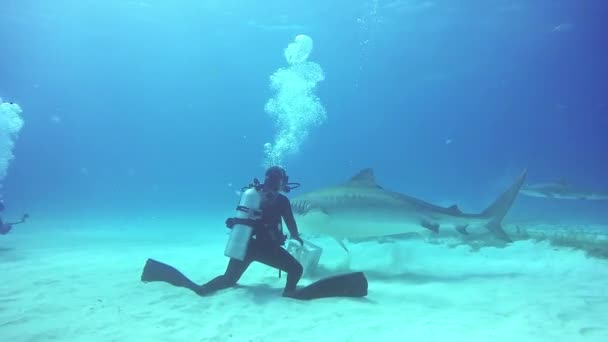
(341, 243)
(318, 213)
(434, 227)
(462, 229)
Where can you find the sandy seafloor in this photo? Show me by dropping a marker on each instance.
(80, 282)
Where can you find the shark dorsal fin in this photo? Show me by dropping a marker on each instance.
(364, 178)
(454, 210)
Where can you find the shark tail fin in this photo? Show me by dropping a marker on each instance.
(498, 210)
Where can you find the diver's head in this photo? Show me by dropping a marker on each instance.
(276, 179)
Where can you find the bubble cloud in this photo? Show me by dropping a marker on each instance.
(295, 108)
(10, 125)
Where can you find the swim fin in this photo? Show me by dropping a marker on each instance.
(157, 271)
(344, 285)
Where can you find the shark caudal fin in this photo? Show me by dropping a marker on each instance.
(497, 211)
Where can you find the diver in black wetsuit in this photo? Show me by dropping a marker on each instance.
(267, 239)
(264, 246)
(5, 228)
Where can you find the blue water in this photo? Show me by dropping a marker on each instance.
(157, 107)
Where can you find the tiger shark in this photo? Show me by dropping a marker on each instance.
(561, 190)
(361, 208)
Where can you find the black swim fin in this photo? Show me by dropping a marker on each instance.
(344, 285)
(157, 271)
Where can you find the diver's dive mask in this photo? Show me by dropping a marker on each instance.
(277, 178)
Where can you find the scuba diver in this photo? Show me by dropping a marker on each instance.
(257, 235)
(5, 228)
(267, 238)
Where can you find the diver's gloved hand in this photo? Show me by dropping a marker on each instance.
(230, 222)
(299, 239)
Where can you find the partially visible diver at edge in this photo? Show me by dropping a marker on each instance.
(257, 236)
(5, 228)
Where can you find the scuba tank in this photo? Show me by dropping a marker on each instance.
(248, 209)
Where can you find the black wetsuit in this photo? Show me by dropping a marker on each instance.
(264, 247)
